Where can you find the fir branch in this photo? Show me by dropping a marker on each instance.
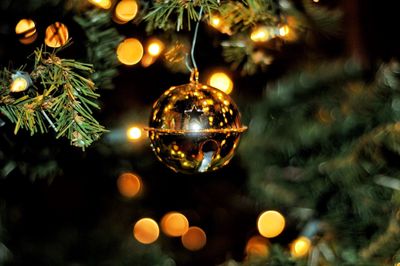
(177, 14)
(102, 40)
(61, 97)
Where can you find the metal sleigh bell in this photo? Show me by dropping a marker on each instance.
(194, 128)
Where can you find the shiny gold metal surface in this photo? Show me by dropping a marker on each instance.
(194, 128)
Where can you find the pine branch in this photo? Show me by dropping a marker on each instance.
(60, 96)
(177, 14)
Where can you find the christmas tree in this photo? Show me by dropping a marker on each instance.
(314, 177)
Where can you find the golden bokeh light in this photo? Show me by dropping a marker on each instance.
(174, 224)
(270, 224)
(221, 81)
(129, 185)
(146, 231)
(56, 35)
(126, 10)
(130, 51)
(134, 133)
(155, 47)
(19, 84)
(300, 247)
(284, 30)
(147, 60)
(215, 21)
(257, 246)
(105, 4)
(261, 34)
(26, 29)
(194, 239)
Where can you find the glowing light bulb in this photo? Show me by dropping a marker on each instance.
(221, 81)
(105, 4)
(126, 10)
(19, 84)
(284, 30)
(194, 239)
(146, 231)
(270, 224)
(130, 51)
(134, 133)
(174, 224)
(261, 34)
(300, 247)
(155, 47)
(128, 185)
(215, 21)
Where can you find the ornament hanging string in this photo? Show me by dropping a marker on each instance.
(196, 30)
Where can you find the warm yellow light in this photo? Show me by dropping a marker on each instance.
(261, 34)
(174, 224)
(105, 4)
(126, 10)
(56, 35)
(146, 231)
(147, 60)
(134, 133)
(257, 246)
(270, 224)
(155, 47)
(215, 21)
(19, 84)
(300, 247)
(316, 1)
(284, 30)
(221, 81)
(194, 239)
(25, 27)
(128, 185)
(130, 51)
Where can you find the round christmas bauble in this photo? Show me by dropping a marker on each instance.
(194, 128)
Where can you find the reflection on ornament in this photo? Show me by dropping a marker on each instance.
(56, 35)
(26, 30)
(300, 247)
(194, 128)
(21, 81)
(270, 224)
(105, 4)
(221, 81)
(125, 11)
(130, 51)
(194, 239)
(146, 231)
(262, 34)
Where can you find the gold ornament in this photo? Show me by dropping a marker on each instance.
(194, 128)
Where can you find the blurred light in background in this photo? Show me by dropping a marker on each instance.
(174, 224)
(146, 231)
(270, 224)
(148, 60)
(26, 30)
(130, 51)
(155, 47)
(194, 239)
(257, 246)
(134, 133)
(125, 11)
(221, 81)
(261, 34)
(300, 247)
(105, 4)
(56, 35)
(129, 185)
